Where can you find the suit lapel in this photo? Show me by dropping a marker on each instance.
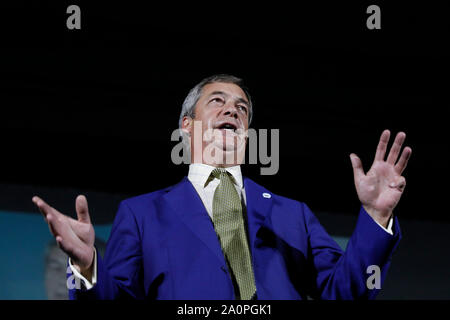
(186, 202)
(258, 208)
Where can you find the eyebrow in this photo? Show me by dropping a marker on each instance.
(241, 100)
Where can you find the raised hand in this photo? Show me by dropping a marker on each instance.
(74, 237)
(381, 188)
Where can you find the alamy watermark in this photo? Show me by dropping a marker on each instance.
(374, 280)
(228, 147)
(73, 21)
(72, 282)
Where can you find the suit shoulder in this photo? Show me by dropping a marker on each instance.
(146, 200)
(276, 197)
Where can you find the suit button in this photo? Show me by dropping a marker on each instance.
(223, 269)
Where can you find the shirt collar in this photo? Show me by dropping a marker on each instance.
(199, 173)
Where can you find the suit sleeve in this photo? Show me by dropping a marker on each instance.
(344, 275)
(119, 273)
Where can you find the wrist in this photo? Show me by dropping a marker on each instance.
(382, 217)
(87, 271)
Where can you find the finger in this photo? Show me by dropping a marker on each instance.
(358, 171)
(382, 145)
(51, 215)
(58, 224)
(395, 149)
(44, 208)
(65, 237)
(403, 161)
(50, 221)
(38, 202)
(81, 206)
(55, 219)
(64, 245)
(75, 249)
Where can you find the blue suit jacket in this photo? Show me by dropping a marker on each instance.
(163, 246)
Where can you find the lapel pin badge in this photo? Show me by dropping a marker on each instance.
(266, 195)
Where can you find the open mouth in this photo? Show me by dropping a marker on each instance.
(227, 126)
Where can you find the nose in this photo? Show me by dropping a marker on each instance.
(230, 110)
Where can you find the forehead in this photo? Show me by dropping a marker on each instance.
(230, 89)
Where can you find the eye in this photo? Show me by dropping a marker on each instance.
(242, 108)
(217, 100)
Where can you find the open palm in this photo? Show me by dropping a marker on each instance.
(381, 188)
(75, 237)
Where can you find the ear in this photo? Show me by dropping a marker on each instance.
(186, 125)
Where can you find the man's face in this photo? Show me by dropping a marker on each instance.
(222, 113)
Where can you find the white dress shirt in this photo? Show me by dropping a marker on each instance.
(198, 175)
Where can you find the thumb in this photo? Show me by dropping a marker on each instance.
(81, 206)
(358, 171)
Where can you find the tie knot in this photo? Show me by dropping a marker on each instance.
(220, 174)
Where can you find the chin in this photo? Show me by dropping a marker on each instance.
(225, 147)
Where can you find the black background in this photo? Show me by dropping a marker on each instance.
(94, 108)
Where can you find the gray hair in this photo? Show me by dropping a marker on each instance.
(188, 108)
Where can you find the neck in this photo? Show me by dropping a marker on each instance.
(216, 165)
(219, 158)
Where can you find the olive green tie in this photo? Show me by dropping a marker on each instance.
(228, 222)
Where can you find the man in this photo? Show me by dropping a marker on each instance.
(217, 235)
